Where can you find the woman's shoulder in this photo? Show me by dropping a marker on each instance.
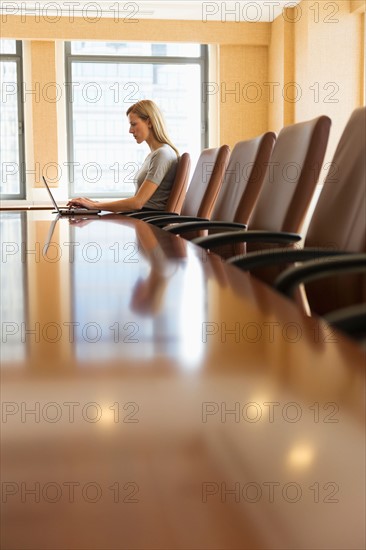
(166, 152)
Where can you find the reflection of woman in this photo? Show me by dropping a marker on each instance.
(163, 255)
(148, 294)
(155, 178)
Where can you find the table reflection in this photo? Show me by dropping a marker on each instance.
(145, 296)
(13, 287)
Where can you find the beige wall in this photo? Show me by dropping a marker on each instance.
(276, 74)
(329, 68)
(44, 114)
(242, 93)
(358, 5)
(322, 52)
(326, 63)
(30, 28)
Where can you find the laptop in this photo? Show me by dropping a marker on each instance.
(66, 211)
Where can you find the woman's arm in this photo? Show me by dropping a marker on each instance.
(138, 201)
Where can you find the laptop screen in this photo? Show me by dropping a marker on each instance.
(50, 194)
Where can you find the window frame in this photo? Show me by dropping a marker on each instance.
(201, 60)
(17, 57)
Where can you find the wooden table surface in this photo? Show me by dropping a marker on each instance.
(154, 397)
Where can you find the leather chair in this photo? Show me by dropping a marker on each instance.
(178, 192)
(348, 318)
(240, 189)
(179, 189)
(203, 189)
(337, 227)
(288, 188)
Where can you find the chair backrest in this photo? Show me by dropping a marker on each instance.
(180, 184)
(206, 182)
(339, 219)
(291, 177)
(243, 179)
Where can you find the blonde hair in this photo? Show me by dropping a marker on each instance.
(147, 109)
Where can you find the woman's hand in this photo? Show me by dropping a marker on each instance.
(84, 202)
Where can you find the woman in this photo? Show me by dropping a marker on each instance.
(155, 178)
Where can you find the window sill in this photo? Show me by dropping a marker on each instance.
(24, 205)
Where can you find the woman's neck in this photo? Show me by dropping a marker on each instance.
(154, 144)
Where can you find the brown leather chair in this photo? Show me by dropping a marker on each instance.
(180, 184)
(242, 183)
(287, 190)
(339, 220)
(177, 194)
(344, 309)
(337, 227)
(203, 189)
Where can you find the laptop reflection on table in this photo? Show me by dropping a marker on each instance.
(66, 211)
(50, 234)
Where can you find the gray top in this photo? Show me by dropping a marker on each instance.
(159, 167)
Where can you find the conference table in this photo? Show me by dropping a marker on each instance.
(154, 397)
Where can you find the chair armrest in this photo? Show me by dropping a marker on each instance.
(167, 220)
(246, 236)
(351, 320)
(194, 226)
(142, 214)
(318, 269)
(264, 258)
(129, 212)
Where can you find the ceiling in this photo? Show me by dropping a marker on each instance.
(247, 10)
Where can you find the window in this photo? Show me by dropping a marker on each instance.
(12, 181)
(103, 80)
